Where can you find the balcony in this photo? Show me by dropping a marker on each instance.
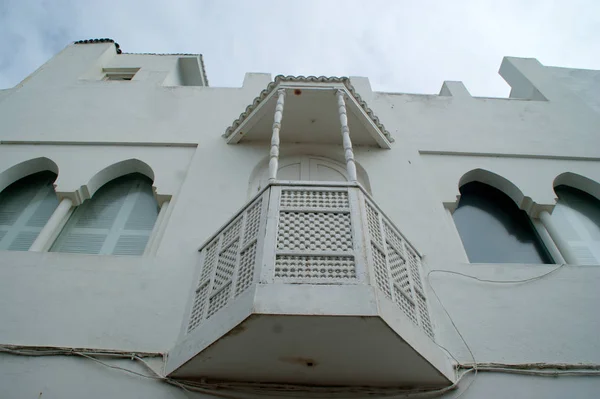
(310, 284)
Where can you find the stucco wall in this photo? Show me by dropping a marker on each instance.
(585, 83)
(65, 113)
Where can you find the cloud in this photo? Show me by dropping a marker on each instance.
(402, 46)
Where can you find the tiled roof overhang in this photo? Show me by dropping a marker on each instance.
(306, 79)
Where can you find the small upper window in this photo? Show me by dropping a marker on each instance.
(25, 207)
(117, 220)
(494, 230)
(119, 73)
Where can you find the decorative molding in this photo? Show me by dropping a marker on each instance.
(99, 143)
(274, 154)
(347, 143)
(505, 155)
(307, 79)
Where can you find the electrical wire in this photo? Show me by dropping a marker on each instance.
(216, 389)
(474, 368)
(475, 365)
(527, 280)
(252, 390)
(541, 369)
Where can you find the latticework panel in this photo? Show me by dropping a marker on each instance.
(380, 267)
(198, 307)
(314, 231)
(315, 267)
(218, 301)
(413, 263)
(246, 271)
(398, 269)
(209, 261)
(252, 221)
(314, 237)
(406, 304)
(424, 314)
(228, 265)
(373, 225)
(396, 264)
(314, 199)
(232, 232)
(393, 238)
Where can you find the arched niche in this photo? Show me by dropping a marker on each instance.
(112, 172)
(304, 167)
(579, 182)
(26, 205)
(577, 217)
(500, 183)
(493, 229)
(117, 220)
(26, 168)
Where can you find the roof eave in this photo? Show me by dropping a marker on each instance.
(249, 117)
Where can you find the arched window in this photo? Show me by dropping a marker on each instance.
(577, 214)
(25, 207)
(117, 220)
(494, 230)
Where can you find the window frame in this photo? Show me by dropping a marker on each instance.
(119, 74)
(518, 217)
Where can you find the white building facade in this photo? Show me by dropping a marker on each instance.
(297, 236)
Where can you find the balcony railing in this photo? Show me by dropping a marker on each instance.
(310, 274)
(326, 234)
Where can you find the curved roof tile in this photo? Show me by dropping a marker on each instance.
(104, 40)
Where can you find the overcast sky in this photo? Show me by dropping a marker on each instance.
(402, 46)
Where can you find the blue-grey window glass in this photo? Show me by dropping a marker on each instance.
(117, 220)
(25, 207)
(577, 214)
(494, 230)
(584, 205)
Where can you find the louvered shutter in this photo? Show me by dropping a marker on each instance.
(25, 207)
(117, 220)
(577, 215)
(134, 235)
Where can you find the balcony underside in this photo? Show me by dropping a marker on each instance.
(286, 336)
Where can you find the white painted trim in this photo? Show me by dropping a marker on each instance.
(275, 142)
(53, 227)
(548, 241)
(269, 249)
(560, 242)
(249, 121)
(346, 141)
(100, 143)
(452, 225)
(504, 155)
(158, 230)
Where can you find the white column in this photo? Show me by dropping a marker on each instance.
(548, 241)
(274, 154)
(52, 227)
(561, 243)
(348, 153)
(158, 229)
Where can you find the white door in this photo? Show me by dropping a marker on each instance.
(304, 168)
